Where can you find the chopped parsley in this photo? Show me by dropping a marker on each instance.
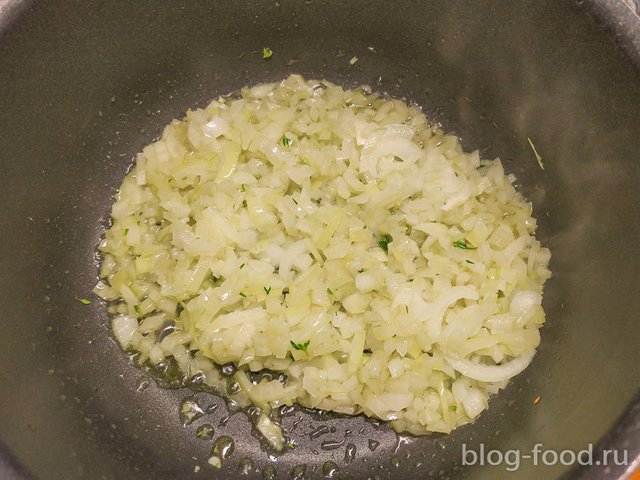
(300, 346)
(469, 261)
(242, 294)
(329, 291)
(267, 53)
(243, 188)
(84, 301)
(286, 141)
(464, 245)
(294, 201)
(385, 241)
(367, 351)
(242, 266)
(136, 308)
(267, 290)
(453, 408)
(126, 230)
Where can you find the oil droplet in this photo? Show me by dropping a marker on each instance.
(318, 432)
(331, 444)
(373, 444)
(349, 453)
(298, 472)
(197, 380)
(142, 384)
(223, 447)
(296, 423)
(374, 421)
(245, 467)
(269, 472)
(330, 469)
(233, 406)
(205, 431)
(190, 411)
(286, 409)
(402, 440)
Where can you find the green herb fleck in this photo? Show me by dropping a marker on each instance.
(291, 445)
(84, 301)
(205, 431)
(136, 308)
(267, 290)
(464, 244)
(242, 266)
(294, 201)
(243, 188)
(406, 307)
(367, 351)
(453, 408)
(126, 230)
(385, 241)
(329, 291)
(286, 141)
(535, 152)
(361, 270)
(184, 178)
(242, 294)
(267, 53)
(469, 261)
(300, 346)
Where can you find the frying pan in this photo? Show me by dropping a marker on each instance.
(85, 85)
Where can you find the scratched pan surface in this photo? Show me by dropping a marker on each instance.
(85, 85)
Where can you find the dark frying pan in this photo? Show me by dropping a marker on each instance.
(84, 85)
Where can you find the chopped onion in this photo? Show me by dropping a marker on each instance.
(335, 236)
(491, 373)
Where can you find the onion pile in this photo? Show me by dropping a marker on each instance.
(336, 237)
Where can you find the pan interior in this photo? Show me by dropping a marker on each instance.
(85, 86)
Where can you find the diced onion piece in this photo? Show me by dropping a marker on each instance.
(490, 373)
(124, 327)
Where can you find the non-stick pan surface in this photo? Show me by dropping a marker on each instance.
(84, 85)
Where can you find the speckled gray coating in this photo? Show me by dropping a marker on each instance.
(84, 85)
